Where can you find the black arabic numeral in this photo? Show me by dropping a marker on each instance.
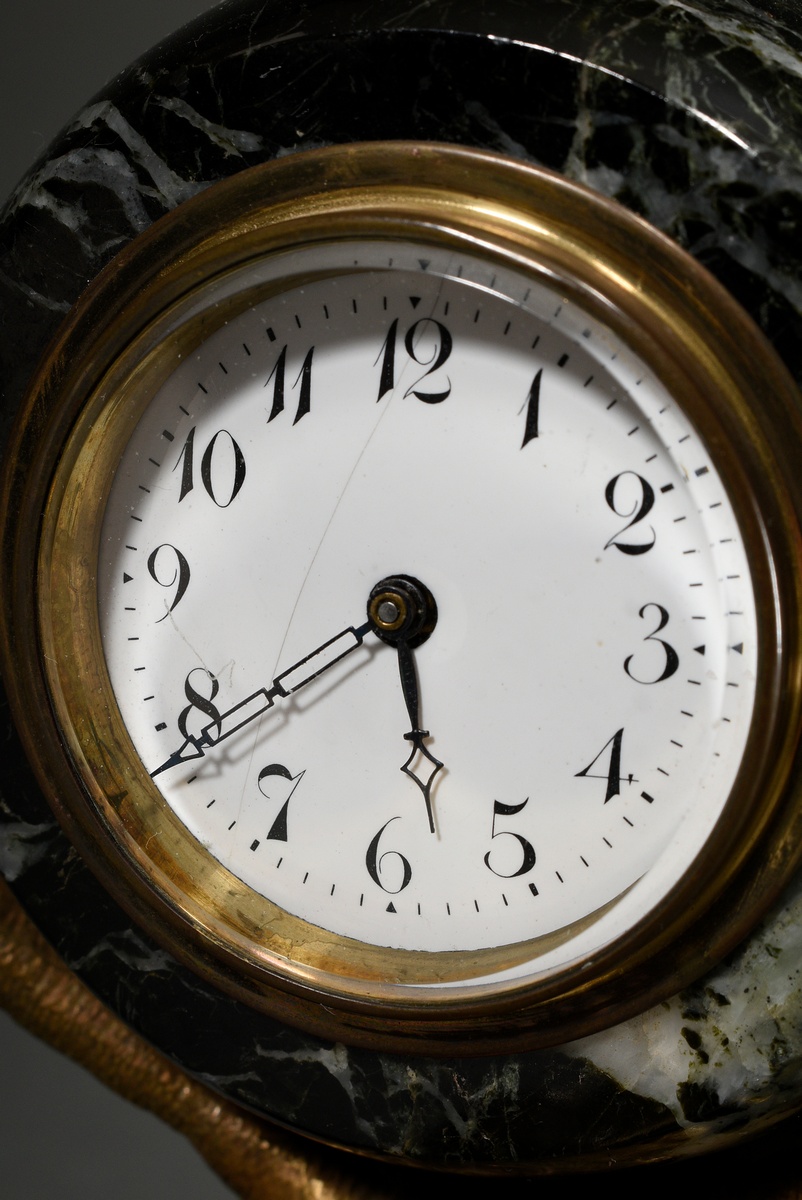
(531, 429)
(671, 657)
(375, 863)
(187, 471)
(278, 830)
(416, 344)
(633, 501)
(528, 857)
(178, 571)
(387, 355)
(221, 479)
(440, 352)
(200, 703)
(613, 776)
(277, 375)
(304, 378)
(211, 467)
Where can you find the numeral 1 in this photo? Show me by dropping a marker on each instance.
(533, 410)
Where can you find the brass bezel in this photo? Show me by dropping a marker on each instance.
(112, 348)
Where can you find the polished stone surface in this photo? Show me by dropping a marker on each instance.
(691, 115)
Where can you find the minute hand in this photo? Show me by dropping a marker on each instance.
(285, 684)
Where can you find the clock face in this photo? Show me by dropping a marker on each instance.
(407, 599)
(588, 685)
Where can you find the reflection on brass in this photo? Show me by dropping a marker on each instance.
(388, 610)
(114, 352)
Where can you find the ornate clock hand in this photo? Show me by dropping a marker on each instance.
(409, 686)
(289, 681)
(403, 613)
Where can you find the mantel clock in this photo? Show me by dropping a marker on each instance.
(402, 592)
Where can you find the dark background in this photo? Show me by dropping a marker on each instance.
(62, 1134)
(55, 54)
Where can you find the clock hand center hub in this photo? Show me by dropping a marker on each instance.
(402, 609)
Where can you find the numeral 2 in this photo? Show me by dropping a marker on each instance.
(618, 495)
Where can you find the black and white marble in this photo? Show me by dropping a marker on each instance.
(689, 112)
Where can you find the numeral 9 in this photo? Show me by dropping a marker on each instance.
(177, 570)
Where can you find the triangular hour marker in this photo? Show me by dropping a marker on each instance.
(414, 301)
(127, 578)
(739, 649)
(424, 263)
(699, 649)
(390, 907)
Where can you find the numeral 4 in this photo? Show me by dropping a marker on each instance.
(611, 751)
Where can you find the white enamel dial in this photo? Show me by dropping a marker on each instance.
(589, 683)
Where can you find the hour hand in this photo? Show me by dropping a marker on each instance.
(409, 686)
(403, 613)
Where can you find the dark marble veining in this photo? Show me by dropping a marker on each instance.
(687, 111)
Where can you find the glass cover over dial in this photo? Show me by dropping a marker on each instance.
(425, 606)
